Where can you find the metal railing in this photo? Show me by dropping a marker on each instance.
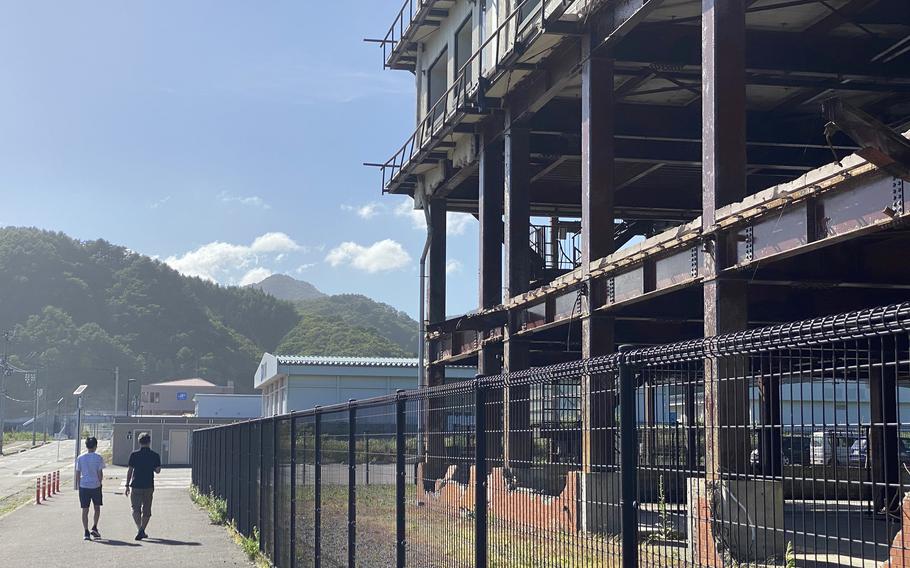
(466, 93)
(778, 446)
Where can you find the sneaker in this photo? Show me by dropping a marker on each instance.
(143, 533)
(95, 532)
(87, 536)
(140, 535)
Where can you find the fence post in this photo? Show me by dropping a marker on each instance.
(317, 487)
(628, 444)
(292, 533)
(399, 480)
(276, 558)
(352, 485)
(261, 482)
(480, 474)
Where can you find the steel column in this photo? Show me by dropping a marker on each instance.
(723, 182)
(516, 405)
(597, 241)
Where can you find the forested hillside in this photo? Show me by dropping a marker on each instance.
(81, 308)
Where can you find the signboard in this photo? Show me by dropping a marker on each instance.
(181, 396)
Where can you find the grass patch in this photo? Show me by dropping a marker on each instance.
(12, 502)
(216, 508)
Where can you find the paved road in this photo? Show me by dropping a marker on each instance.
(180, 534)
(18, 471)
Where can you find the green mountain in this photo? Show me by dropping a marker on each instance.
(285, 287)
(350, 324)
(80, 309)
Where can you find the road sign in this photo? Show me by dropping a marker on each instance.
(80, 390)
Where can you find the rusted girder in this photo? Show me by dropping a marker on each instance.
(878, 144)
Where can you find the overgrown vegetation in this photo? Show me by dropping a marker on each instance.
(216, 508)
(24, 436)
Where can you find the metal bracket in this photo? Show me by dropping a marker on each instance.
(611, 290)
(750, 243)
(693, 262)
(897, 196)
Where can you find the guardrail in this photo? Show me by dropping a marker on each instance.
(776, 446)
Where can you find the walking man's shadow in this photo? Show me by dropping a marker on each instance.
(109, 542)
(169, 542)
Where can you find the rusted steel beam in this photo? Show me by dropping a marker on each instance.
(879, 144)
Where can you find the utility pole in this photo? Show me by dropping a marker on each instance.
(33, 376)
(45, 416)
(116, 389)
(4, 371)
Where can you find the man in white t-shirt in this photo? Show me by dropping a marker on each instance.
(89, 471)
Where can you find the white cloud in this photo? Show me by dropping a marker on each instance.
(274, 242)
(367, 211)
(380, 256)
(216, 261)
(251, 201)
(456, 223)
(453, 266)
(255, 276)
(160, 202)
(304, 267)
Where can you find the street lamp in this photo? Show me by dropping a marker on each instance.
(129, 383)
(78, 394)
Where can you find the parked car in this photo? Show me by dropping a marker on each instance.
(860, 450)
(831, 447)
(794, 451)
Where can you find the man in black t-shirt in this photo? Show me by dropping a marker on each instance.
(140, 483)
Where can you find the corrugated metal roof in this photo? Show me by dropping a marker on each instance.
(320, 360)
(186, 383)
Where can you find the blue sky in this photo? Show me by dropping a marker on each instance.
(224, 137)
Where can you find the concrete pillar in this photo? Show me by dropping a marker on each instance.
(517, 440)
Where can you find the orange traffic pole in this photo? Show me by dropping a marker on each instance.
(47, 487)
(38, 491)
(57, 475)
(54, 482)
(43, 488)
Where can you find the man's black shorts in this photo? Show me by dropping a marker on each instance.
(87, 496)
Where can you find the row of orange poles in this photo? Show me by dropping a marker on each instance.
(46, 486)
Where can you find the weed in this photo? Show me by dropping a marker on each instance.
(790, 556)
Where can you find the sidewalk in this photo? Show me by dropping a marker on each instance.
(180, 534)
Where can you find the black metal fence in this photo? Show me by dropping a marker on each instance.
(779, 446)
